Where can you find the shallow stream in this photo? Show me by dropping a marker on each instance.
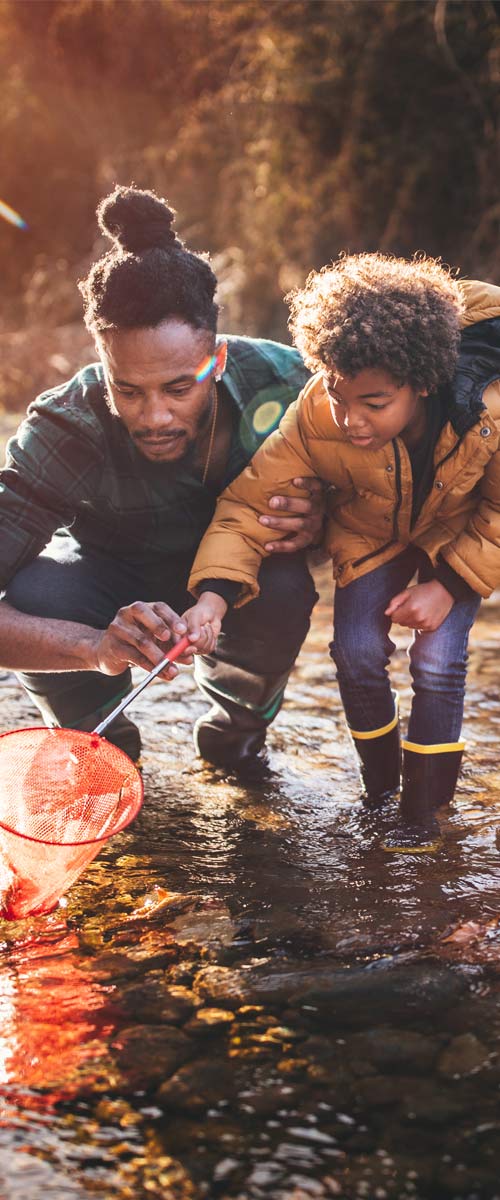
(244, 996)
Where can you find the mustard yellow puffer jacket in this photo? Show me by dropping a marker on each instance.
(371, 491)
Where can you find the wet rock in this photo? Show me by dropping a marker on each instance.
(465, 1055)
(154, 1000)
(467, 1182)
(293, 1068)
(221, 985)
(129, 956)
(209, 1021)
(357, 997)
(197, 1086)
(320, 1047)
(267, 1101)
(419, 1100)
(424, 1102)
(148, 1054)
(117, 1112)
(114, 967)
(183, 972)
(204, 927)
(378, 1090)
(394, 1050)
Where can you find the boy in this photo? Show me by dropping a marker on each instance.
(402, 421)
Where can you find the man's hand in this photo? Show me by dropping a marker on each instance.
(303, 520)
(139, 636)
(424, 606)
(203, 622)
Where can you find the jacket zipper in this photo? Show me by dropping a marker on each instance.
(395, 528)
(399, 494)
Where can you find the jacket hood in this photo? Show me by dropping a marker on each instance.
(482, 301)
(479, 358)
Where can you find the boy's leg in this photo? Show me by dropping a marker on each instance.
(361, 650)
(432, 752)
(246, 678)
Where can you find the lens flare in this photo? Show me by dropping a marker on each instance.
(206, 367)
(267, 416)
(9, 214)
(263, 415)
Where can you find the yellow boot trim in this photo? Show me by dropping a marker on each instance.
(438, 748)
(429, 848)
(366, 735)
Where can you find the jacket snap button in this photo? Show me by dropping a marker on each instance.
(389, 468)
(439, 484)
(485, 431)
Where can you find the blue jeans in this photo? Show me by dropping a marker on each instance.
(362, 647)
(74, 584)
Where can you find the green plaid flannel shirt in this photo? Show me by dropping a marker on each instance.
(73, 466)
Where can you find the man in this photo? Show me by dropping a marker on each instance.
(112, 481)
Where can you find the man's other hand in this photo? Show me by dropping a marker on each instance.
(301, 518)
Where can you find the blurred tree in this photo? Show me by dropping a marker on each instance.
(283, 130)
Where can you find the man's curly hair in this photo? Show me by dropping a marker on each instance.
(373, 310)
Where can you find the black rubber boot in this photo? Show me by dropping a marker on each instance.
(429, 780)
(232, 734)
(125, 734)
(379, 755)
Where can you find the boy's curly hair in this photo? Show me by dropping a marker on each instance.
(373, 310)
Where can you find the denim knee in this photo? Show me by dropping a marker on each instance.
(361, 654)
(437, 673)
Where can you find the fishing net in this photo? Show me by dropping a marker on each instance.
(63, 793)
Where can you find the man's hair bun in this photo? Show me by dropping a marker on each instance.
(147, 275)
(137, 221)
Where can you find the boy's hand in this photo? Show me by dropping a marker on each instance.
(424, 606)
(203, 622)
(303, 520)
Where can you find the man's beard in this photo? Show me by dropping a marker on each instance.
(188, 461)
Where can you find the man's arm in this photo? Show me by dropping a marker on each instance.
(139, 635)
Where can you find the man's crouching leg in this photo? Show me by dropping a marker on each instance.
(246, 678)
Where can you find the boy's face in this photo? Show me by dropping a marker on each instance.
(371, 408)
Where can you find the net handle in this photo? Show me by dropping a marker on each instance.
(175, 652)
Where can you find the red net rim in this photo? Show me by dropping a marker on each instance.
(81, 841)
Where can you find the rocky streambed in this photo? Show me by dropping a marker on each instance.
(244, 996)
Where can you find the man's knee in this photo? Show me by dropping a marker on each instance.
(265, 635)
(65, 591)
(32, 591)
(287, 592)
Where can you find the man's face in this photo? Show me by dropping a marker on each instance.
(152, 386)
(371, 408)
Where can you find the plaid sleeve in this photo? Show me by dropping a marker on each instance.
(49, 469)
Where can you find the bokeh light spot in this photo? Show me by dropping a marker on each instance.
(267, 416)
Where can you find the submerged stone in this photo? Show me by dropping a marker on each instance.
(465, 1055)
(197, 1086)
(147, 1054)
(400, 1051)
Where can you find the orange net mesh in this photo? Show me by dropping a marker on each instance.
(62, 794)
